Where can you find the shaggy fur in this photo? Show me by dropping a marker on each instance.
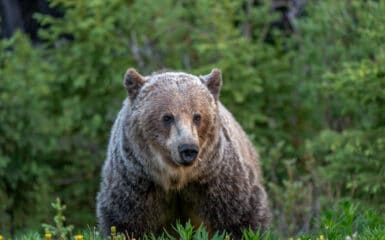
(144, 187)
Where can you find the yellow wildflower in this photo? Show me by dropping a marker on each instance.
(79, 237)
(1, 237)
(113, 230)
(321, 237)
(47, 236)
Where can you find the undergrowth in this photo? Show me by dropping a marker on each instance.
(345, 221)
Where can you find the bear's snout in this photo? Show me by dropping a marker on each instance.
(188, 153)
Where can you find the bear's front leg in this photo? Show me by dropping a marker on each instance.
(134, 207)
(232, 204)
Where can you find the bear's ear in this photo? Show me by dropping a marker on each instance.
(133, 82)
(213, 81)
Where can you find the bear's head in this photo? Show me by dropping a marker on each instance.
(175, 115)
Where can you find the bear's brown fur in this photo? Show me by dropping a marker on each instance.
(175, 152)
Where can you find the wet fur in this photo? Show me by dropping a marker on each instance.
(143, 191)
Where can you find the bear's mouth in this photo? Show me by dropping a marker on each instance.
(180, 164)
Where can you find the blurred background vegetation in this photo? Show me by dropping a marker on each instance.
(305, 78)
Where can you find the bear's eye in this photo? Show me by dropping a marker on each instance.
(168, 119)
(197, 118)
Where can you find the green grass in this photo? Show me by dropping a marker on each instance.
(344, 221)
(185, 232)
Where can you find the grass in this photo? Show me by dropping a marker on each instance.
(346, 222)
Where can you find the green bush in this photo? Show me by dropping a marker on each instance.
(27, 136)
(351, 148)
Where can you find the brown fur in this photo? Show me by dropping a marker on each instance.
(144, 186)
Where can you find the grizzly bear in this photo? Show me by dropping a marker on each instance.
(176, 153)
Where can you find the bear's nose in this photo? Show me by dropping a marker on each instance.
(188, 153)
